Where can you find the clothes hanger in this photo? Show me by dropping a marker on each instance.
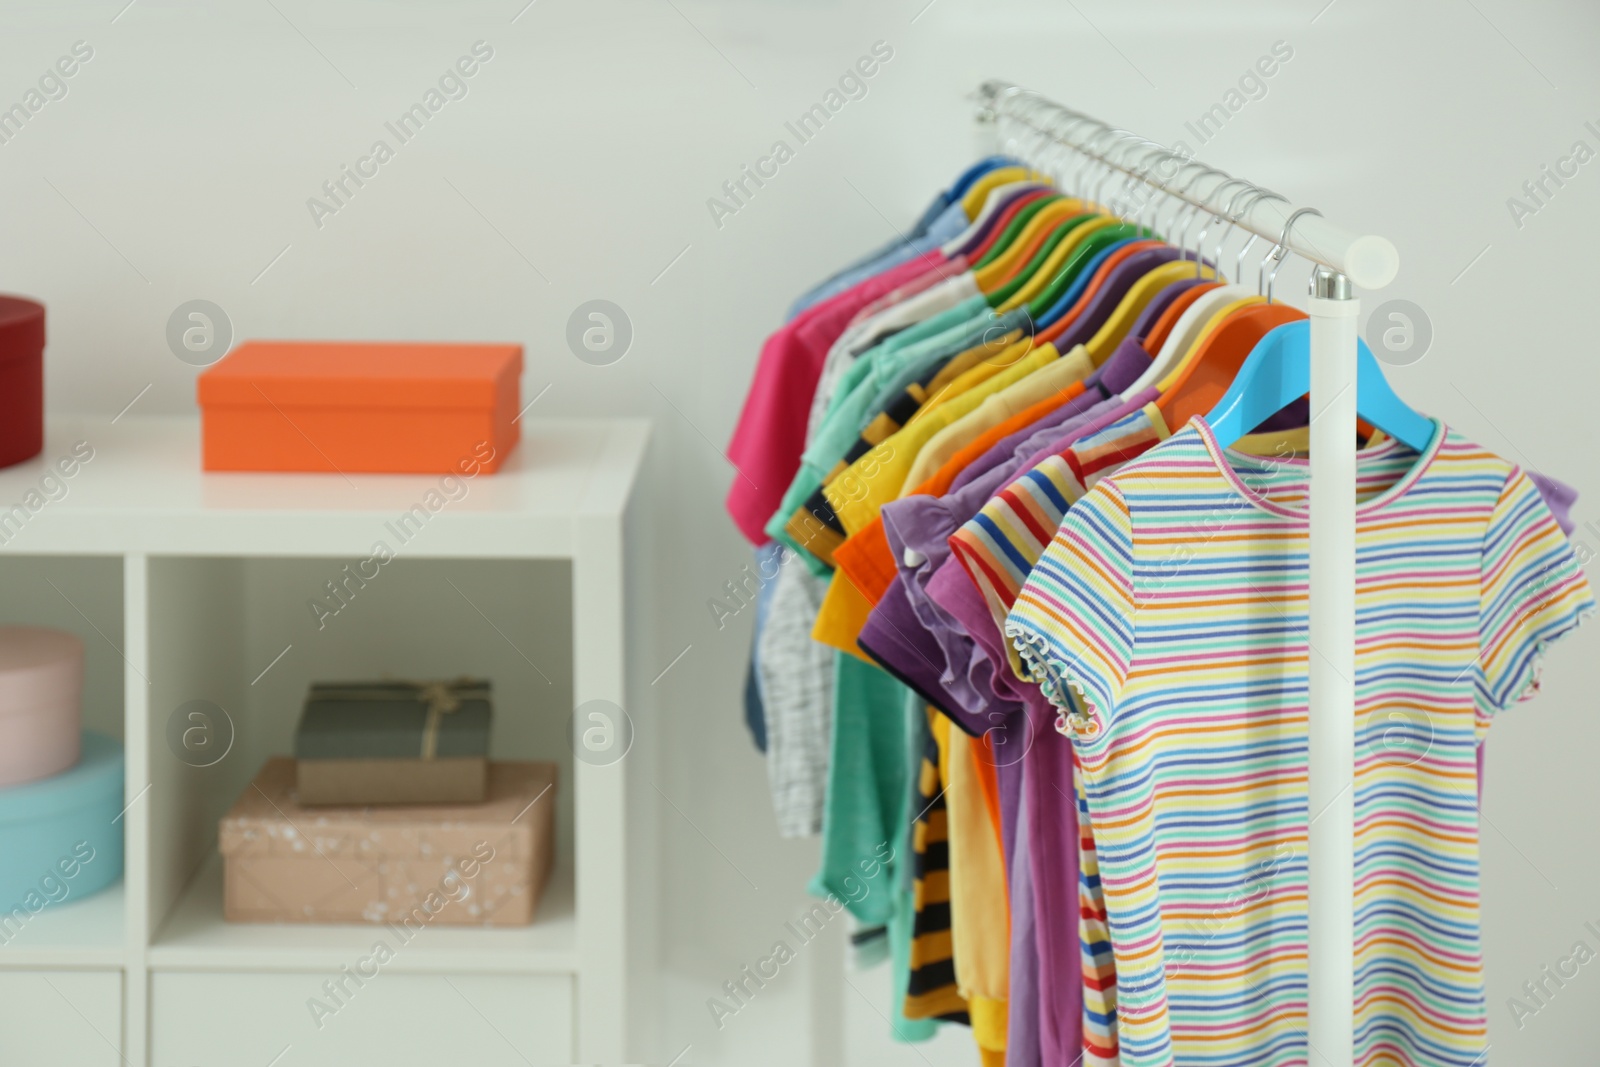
(1157, 335)
(1278, 371)
(1111, 272)
(1049, 303)
(1033, 218)
(1207, 371)
(1053, 278)
(1234, 215)
(1178, 203)
(972, 202)
(982, 229)
(1188, 210)
(1198, 384)
(978, 231)
(1173, 365)
(1188, 329)
(1161, 154)
(1099, 290)
(1238, 262)
(1177, 335)
(1146, 289)
(1168, 295)
(1008, 223)
(1043, 228)
(995, 200)
(1044, 245)
(1110, 333)
(1045, 231)
(1102, 283)
(966, 178)
(1042, 273)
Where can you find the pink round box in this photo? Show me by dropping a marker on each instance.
(41, 694)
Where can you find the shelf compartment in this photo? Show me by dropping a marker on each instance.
(197, 938)
(81, 595)
(74, 933)
(255, 1018)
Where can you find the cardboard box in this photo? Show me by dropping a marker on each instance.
(454, 864)
(393, 742)
(349, 407)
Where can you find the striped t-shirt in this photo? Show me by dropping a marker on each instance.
(997, 548)
(1174, 600)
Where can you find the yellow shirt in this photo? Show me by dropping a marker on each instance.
(843, 613)
(980, 920)
(995, 409)
(995, 354)
(1015, 375)
(874, 479)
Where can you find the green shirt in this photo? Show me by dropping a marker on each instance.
(861, 386)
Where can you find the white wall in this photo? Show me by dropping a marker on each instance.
(179, 164)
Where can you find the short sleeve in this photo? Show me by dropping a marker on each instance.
(1073, 622)
(1532, 592)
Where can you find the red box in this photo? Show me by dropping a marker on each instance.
(21, 379)
(386, 407)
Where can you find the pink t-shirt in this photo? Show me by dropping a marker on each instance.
(771, 431)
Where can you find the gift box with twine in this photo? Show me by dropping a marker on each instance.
(393, 742)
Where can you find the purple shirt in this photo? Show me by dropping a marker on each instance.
(929, 651)
(906, 632)
(1022, 1020)
(918, 529)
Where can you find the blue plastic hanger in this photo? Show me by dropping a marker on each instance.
(1278, 372)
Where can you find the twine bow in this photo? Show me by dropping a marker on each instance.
(442, 698)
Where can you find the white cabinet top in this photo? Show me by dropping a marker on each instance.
(141, 489)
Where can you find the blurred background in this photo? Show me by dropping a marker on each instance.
(180, 161)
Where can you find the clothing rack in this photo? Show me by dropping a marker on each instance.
(1042, 133)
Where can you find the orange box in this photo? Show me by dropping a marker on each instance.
(386, 407)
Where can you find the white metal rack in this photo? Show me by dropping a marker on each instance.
(1037, 130)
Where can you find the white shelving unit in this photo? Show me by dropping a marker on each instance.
(187, 586)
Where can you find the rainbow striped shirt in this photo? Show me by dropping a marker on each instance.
(1174, 600)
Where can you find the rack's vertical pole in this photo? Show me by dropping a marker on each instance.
(1333, 643)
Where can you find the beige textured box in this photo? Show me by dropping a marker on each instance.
(419, 865)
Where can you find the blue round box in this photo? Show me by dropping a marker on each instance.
(58, 842)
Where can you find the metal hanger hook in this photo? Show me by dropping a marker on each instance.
(1191, 209)
(1234, 215)
(1154, 154)
(1175, 196)
(1199, 241)
(1238, 262)
(1281, 249)
(1091, 157)
(1112, 158)
(1115, 158)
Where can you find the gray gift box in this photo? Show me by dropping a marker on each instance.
(393, 742)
